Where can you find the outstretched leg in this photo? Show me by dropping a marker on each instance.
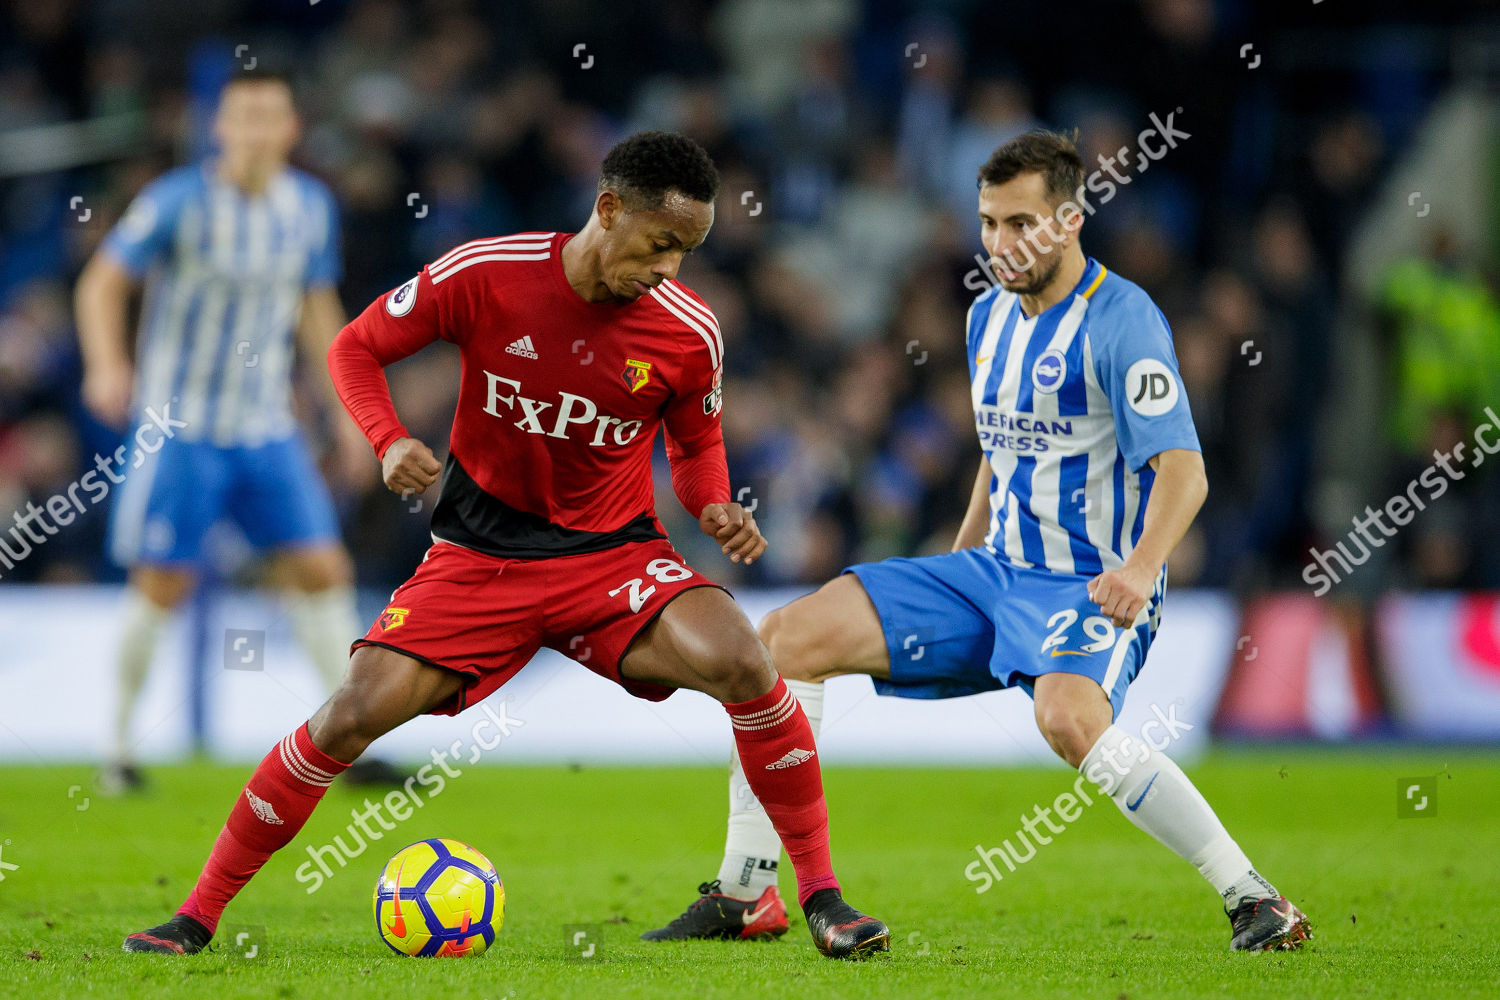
(382, 689)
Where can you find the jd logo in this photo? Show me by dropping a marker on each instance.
(1155, 385)
(1151, 387)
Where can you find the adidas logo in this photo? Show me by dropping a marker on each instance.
(523, 347)
(263, 808)
(792, 759)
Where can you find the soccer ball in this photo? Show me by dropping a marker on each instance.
(439, 897)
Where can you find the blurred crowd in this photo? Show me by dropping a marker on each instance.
(846, 247)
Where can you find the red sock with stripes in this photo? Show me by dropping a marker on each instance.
(281, 794)
(780, 760)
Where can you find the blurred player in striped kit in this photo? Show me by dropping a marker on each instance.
(237, 254)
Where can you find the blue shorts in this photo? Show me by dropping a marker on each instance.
(167, 503)
(972, 621)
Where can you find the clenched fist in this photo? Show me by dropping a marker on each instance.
(409, 466)
(1122, 593)
(106, 392)
(734, 528)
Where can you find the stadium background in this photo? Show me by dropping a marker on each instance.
(1323, 245)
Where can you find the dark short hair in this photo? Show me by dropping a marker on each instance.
(261, 74)
(1051, 154)
(645, 167)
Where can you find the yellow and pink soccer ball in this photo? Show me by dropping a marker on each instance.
(439, 897)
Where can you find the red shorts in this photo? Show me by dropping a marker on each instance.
(486, 617)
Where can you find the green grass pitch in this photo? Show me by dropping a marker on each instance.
(1401, 907)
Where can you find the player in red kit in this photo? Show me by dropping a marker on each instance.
(574, 350)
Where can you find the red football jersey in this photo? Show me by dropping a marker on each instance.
(559, 401)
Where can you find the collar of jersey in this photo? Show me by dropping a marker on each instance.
(1090, 272)
(210, 168)
(560, 278)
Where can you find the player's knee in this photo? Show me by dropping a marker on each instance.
(339, 728)
(164, 588)
(789, 644)
(359, 712)
(742, 671)
(1070, 731)
(321, 569)
(773, 635)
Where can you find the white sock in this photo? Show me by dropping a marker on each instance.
(144, 620)
(325, 622)
(1156, 796)
(752, 849)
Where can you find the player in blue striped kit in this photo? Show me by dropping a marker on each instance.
(239, 258)
(1091, 474)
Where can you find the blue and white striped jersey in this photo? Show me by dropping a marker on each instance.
(225, 273)
(1071, 405)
